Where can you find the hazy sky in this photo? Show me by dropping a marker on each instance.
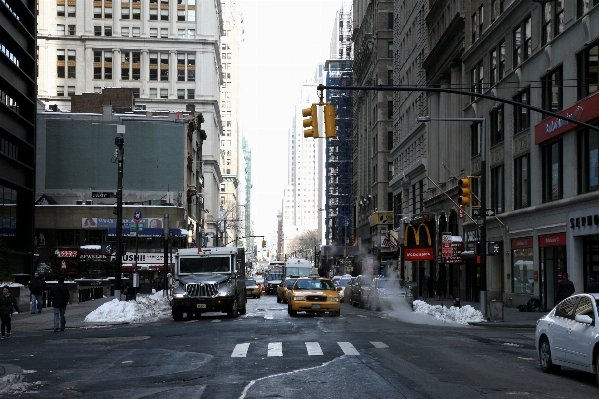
(284, 40)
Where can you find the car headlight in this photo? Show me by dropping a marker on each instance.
(224, 293)
(299, 298)
(332, 299)
(179, 295)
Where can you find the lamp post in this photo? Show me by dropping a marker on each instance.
(483, 203)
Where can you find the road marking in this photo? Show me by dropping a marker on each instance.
(275, 349)
(348, 349)
(379, 345)
(215, 321)
(314, 349)
(240, 350)
(361, 315)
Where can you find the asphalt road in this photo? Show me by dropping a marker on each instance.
(266, 353)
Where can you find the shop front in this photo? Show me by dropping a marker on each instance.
(523, 275)
(553, 256)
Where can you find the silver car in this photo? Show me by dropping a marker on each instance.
(388, 292)
(569, 335)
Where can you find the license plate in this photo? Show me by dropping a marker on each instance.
(201, 306)
(315, 306)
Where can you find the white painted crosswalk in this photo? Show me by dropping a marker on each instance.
(275, 349)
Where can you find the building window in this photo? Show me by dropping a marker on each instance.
(156, 66)
(108, 31)
(136, 92)
(389, 20)
(390, 49)
(389, 109)
(521, 114)
(164, 32)
(163, 93)
(97, 31)
(588, 161)
(493, 68)
(71, 91)
(130, 68)
(136, 32)
(185, 67)
(552, 179)
(102, 64)
(474, 25)
(125, 32)
(60, 63)
(71, 11)
(60, 30)
(496, 9)
(60, 9)
(181, 94)
(481, 19)
(390, 77)
(522, 43)
(71, 64)
(552, 96)
(72, 30)
(477, 79)
(153, 93)
(390, 171)
(522, 182)
(191, 94)
(559, 17)
(588, 70)
(584, 6)
(60, 91)
(497, 189)
(390, 140)
(497, 131)
(475, 135)
(153, 32)
(125, 12)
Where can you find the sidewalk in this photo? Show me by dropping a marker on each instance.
(512, 317)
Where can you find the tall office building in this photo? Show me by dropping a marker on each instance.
(167, 52)
(17, 131)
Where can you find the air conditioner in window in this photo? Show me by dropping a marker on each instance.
(140, 107)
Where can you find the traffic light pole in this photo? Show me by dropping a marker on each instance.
(120, 143)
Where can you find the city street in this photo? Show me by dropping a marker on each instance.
(266, 353)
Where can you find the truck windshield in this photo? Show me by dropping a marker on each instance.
(298, 271)
(274, 276)
(213, 264)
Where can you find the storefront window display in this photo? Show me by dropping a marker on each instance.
(522, 266)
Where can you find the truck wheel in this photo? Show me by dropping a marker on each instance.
(232, 312)
(177, 315)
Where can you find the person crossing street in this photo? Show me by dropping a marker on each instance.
(60, 297)
(7, 302)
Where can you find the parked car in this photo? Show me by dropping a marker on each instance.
(341, 284)
(569, 335)
(361, 290)
(386, 293)
(283, 289)
(347, 292)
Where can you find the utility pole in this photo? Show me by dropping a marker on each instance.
(119, 141)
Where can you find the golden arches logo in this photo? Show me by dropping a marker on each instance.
(416, 234)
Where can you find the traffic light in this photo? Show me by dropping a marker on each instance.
(330, 129)
(311, 123)
(464, 191)
(263, 243)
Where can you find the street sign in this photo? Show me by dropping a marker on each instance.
(477, 212)
(137, 216)
(135, 227)
(492, 248)
(446, 245)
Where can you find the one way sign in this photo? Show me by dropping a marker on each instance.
(478, 212)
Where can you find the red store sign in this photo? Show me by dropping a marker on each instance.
(583, 111)
(552, 240)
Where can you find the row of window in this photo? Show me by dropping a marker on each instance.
(182, 94)
(185, 10)
(126, 31)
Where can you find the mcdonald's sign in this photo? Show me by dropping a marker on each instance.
(417, 245)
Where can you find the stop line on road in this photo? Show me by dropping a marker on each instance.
(313, 348)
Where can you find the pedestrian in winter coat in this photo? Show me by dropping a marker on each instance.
(440, 288)
(565, 288)
(60, 297)
(7, 303)
(37, 286)
(593, 285)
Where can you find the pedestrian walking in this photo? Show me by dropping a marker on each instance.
(593, 285)
(424, 287)
(565, 288)
(60, 297)
(7, 302)
(37, 286)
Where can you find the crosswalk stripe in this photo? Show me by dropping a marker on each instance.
(379, 345)
(275, 349)
(348, 349)
(314, 349)
(240, 350)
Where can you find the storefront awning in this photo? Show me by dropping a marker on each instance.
(150, 232)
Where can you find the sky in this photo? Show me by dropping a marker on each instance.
(284, 41)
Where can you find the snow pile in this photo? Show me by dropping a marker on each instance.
(144, 309)
(464, 315)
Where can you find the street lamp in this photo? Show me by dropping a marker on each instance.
(483, 204)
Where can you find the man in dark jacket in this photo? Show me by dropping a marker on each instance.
(593, 286)
(7, 303)
(37, 286)
(60, 297)
(565, 288)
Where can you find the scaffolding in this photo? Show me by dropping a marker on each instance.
(338, 155)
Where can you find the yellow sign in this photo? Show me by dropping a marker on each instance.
(381, 218)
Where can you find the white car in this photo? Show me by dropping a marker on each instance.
(569, 335)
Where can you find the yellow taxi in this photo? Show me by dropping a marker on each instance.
(315, 295)
(252, 289)
(283, 289)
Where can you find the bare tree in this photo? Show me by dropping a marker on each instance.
(306, 240)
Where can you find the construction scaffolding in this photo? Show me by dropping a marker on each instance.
(338, 154)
